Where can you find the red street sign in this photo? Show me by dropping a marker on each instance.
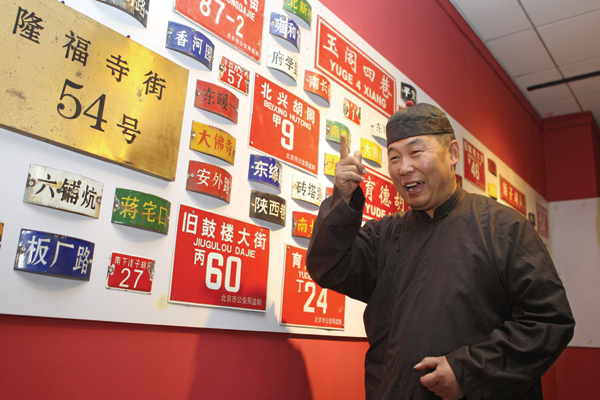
(343, 62)
(492, 166)
(304, 302)
(542, 220)
(317, 84)
(209, 179)
(458, 180)
(233, 75)
(284, 126)
(216, 99)
(351, 111)
(512, 196)
(130, 273)
(381, 197)
(219, 261)
(302, 224)
(474, 161)
(239, 24)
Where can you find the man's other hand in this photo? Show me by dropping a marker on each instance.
(442, 380)
(348, 171)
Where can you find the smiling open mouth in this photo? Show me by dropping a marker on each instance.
(411, 187)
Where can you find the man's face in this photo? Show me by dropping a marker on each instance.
(422, 171)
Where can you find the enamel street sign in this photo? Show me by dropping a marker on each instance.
(216, 99)
(532, 218)
(542, 216)
(190, 42)
(302, 224)
(307, 189)
(408, 93)
(492, 167)
(265, 169)
(54, 255)
(330, 161)
(67, 80)
(234, 75)
(284, 126)
(493, 191)
(474, 165)
(304, 303)
(371, 151)
(209, 179)
(141, 210)
(351, 111)
(212, 141)
(240, 24)
(328, 191)
(301, 8)
(381, 197)
(378, 128)
(219, 261)
(343, 62)
(512, 196)
(268, 207)
(138, 9)
(285, 28)
(283, 61)
(317, 84)
(130, 273)
(334, 130)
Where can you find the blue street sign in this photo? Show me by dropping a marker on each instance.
(285, 28)
(190, 42)
(264, 169)
(55, 255)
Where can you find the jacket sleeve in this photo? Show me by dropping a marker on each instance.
(513, 357)
(342, 256)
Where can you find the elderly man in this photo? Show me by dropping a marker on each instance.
(462, 297)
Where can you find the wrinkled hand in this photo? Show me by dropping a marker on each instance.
(442, 381)
(348, 171)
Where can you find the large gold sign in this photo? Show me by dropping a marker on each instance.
(70, 81)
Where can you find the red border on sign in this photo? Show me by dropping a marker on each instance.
(470, 158)
(376, 209)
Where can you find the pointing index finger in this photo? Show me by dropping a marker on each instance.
(343, 147)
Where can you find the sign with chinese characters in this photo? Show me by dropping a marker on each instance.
(351, 111)
(238, 24)
(408, 93)
(283, 61)
(190, 42)
(1, 231)
(493, 191)
(306, 189)
(381, 197)
(458, 180)
(492, 167)
(301, 8)
(268, 207)
(234, 75)
(55, 255)
(512, 196)
(328, 191)
(542, 216)
(317, 84)
(219, 261)
(209, 179)
(285, 28)
(284, 126)
(63, 191)
(330, 161)
(130, 273)
(264, 169)
(212, 141)
(334, 130)
(474, 165)
(302, 224)
(217, 100)
(67, 80)
(304, 303)
(378, 128)
(138, 9)
(371, 151)
(141, 210)
(343, 62)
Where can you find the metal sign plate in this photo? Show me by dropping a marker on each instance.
(130, 273)
(267, 170)
(63, 191)
(217, 100)
(301, 8)
(307, 189)
(532, 218)
(219, 261)
(408, 93)
(236, 23)
(493, 191)
(1, 231)
(234, 75)
(302, 224)
(512, 196)
(351, 111)
(333, 131)
(70, 81)
(542, 216)
(304, 303)
(378, 128)
(268, 207)
(381, 197)
(492, 167)
(212, 141)
(317, 84)
(284, 126)
(190, 42)
(209, 179)
(474, 165)
(371, 151)
(141, 210)
(328, 191)
(343, 62)
(283, 61)
(458, 180)
(56, 255)
(285, 28)
(330, 161)
(138, 9)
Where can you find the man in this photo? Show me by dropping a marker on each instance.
(462, 297)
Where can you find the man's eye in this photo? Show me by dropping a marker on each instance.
(416, 151)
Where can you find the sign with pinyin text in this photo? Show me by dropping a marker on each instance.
(216, 99)
(234, 75)
(474, 165)
(209, 179)
(317, 84)
(285, 28)
(219, 261)
(141, 210)
(190, 42)
(130, 273)
(542, 223)
(371, 151)
(381, 197)
(138, 9)
(302, 224)
(283, 61)
(512, 196)
(265, 169)
(212, 141)
(351, 111)
(267, 207)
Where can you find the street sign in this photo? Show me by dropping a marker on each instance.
(408, 93)
(190, 42)
(130, 273)
(492, 167)
(265, 169)
(378, 126)
(512, 196)
(334, 130)
(138, 9)
(302, 224)
(141, 210)
(283, 61)
(209, 179)
(317, 84)
(234, 75)
(268, 207)
(493, 191)
(301, 8)
(351, 111)
(307, 189)
(285, 28)
(212, 141)
(216, 99)
(474, 165)
(330, 161)
(381, 197)
(371, 151)
(542, 216)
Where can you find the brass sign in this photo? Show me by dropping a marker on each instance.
(70, 81)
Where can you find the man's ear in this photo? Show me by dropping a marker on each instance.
(454, 150)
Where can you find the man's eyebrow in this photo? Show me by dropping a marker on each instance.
(416, 140)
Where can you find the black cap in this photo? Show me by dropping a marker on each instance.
(417, 120)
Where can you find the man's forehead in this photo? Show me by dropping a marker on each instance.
(410, 141)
